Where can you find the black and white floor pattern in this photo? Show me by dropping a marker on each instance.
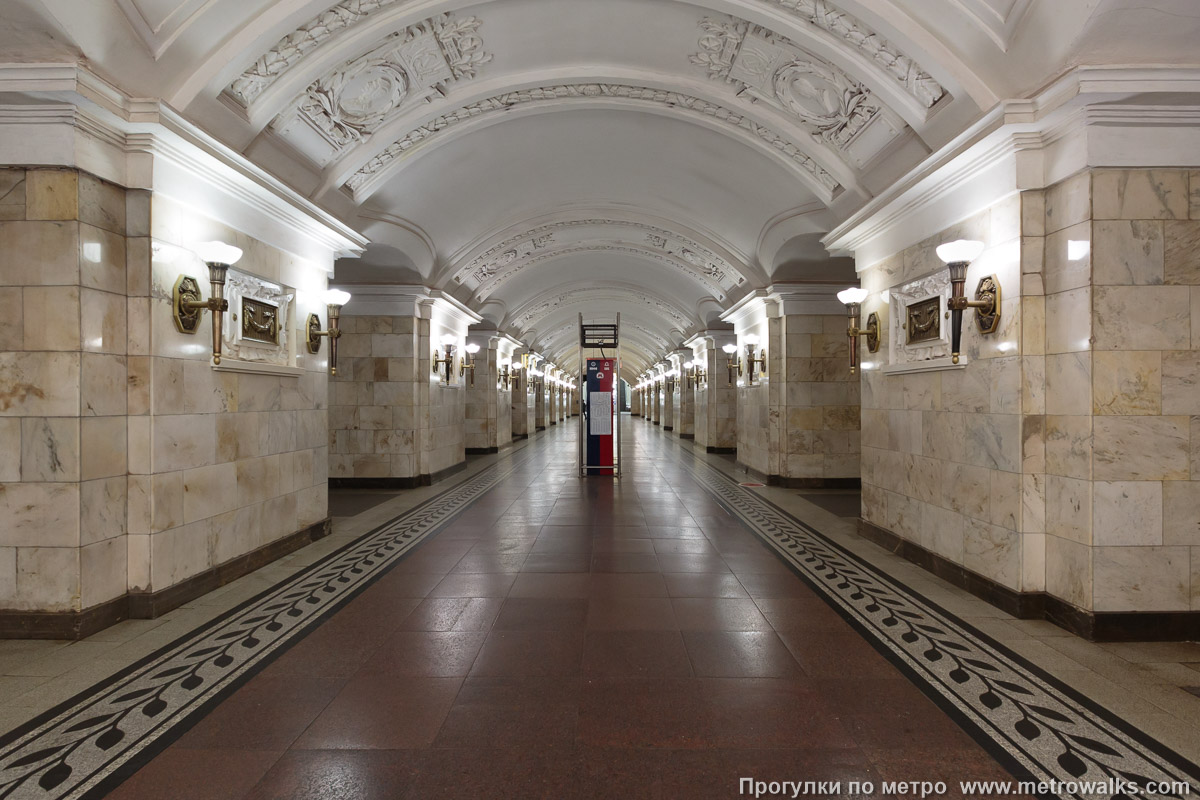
(78, 749)
(1039, 728)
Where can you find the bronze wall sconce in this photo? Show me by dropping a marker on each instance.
(504, 377)
(734, 364)
(464, 364)
(448, 362)
(186, 305)
(752, 361)
(334, 300)
(852, 299)
(958, 256)
(696, 374)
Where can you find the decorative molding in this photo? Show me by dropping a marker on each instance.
(503, 103)
(934, 289)
(640, 251)
(352, 102)
(297, 44)
(933, 365)
(543, 305)
(241, 286)
(83, 122)
(853, 33)
(1082, 120)
(758, 63)
(489, 270)
(257, 368)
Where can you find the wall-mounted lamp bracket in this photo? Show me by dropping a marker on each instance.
(187, 305)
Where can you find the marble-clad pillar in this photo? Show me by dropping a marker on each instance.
(142, 473)
(669, 396)
(685, 392)
(63, 387)
(523, 422)
(395, 420)
(716, 397)
(538, 382)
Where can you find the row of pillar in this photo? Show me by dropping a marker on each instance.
(774, 387)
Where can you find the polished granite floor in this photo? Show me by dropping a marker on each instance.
(563, 638)
(529, 634)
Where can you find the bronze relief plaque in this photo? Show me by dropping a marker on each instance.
(924, 321)
(260, 321)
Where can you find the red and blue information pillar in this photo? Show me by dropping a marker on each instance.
(600, 387)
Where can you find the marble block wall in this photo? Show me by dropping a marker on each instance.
(1124, 367)
(523, 403)
(685, 412)
(540, 404)
(820, 437)
(670, 407)
(716, 406)
(759, 403)
(374, 400)
(221, 463)
(945, 452)
(63, 376)
(442, 410)
(485, 397)
(391, 417)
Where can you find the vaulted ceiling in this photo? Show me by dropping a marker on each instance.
(542, 158)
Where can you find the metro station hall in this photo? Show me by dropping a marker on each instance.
(599, 399)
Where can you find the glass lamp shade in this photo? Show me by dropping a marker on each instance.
(963, 250)
(449, 339)
(854, 294)
(751, 339)
(472, 349)
(218, 253)
(730, 349)
(336, 297)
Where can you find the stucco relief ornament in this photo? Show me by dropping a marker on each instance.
(503, 103)
(832, 105)
(352, 102)
(821, 14)
(829, 104)
(291, 48)
(718, 46)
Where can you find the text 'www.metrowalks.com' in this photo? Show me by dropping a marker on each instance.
(752, 787)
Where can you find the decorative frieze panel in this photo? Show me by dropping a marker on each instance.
(920, 331)
(297, 44)
(541, 308)
(598, 247)
(795, 151)
(490, 263)
(352, 102)
(256, 325)
(832, 107)
(500, 262)
(853, 33)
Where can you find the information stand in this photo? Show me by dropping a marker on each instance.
(600, 414)
(599, 409)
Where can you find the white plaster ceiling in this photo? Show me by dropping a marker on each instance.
(452, 133)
